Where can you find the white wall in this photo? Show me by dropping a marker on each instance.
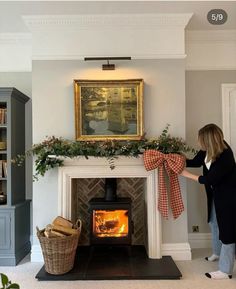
(203, 105)
(211, 49)
(53, 114)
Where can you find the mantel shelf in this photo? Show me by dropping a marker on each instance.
(100, 161)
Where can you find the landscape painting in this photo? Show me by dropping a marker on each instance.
(108, 109)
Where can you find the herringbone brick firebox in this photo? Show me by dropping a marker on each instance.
(85, 189)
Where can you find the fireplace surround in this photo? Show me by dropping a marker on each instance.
(125, 167)
(111, 261)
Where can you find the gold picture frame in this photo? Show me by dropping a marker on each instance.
(108, 109)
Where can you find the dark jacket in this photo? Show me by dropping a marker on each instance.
(220, 184)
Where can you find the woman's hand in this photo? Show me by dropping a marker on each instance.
(189, 175)
(185, 173)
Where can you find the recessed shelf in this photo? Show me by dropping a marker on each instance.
(15, 213)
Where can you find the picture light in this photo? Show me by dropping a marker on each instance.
(108, 65)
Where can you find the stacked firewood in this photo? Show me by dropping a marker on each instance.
(60, 227)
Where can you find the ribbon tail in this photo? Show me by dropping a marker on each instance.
(176, 201)
(163, 197)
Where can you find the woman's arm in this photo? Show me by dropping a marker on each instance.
(197, 161)
(189, 175)
(220, 169)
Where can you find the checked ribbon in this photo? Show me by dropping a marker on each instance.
(173, 164)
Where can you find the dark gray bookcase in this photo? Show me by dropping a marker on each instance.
(15, 213)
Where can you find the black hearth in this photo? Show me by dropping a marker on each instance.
(115, 263)
(110, 218)
(111, 225)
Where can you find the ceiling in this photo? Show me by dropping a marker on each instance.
(11, 11)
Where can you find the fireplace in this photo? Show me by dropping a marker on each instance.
(97, 170)
(110, 222)
(110, 217)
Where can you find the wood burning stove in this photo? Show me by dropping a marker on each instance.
(110, 218)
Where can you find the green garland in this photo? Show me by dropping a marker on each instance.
(110, 149)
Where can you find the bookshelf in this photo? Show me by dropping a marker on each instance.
(14, 208)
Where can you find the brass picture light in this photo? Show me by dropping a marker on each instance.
(108, 65)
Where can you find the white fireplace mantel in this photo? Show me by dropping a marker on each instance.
(125, 167)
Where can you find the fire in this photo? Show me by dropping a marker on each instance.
(110, 223)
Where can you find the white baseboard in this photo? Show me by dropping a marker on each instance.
(178, 251)
(36, 254)
(199, 240)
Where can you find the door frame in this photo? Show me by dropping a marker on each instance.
(226, 88)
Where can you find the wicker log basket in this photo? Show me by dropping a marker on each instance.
(59, 253)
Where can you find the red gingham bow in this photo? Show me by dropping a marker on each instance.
(173, 164)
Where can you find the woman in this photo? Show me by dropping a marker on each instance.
(219, 178)
(198, 161)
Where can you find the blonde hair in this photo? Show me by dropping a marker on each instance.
(211, 139)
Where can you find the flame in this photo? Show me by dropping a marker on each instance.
(110, 223)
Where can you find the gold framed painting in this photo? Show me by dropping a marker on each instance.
(108, 109)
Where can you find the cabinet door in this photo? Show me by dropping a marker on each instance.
(5, 230)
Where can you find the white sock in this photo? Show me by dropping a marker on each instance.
(218, 275)
(212, 258)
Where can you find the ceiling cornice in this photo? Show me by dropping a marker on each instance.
(15, 52)
(15, 38)
(108, 21)
(142, 36)
(149, 36)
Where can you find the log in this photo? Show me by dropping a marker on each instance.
(60, 221)
(53, 234)
(64, 230)
(50, 233)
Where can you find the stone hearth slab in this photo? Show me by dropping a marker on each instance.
(115, 263)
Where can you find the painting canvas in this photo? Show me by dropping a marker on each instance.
(108, 109)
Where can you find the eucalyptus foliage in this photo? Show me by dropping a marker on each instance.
(7, 284)
(110, 149)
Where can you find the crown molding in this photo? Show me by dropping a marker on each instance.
(136, 21)
(15, 38)
(15, 52)
(142, 36)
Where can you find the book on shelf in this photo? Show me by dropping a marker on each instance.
(4, 169)
(1, 169)
(3, 115)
